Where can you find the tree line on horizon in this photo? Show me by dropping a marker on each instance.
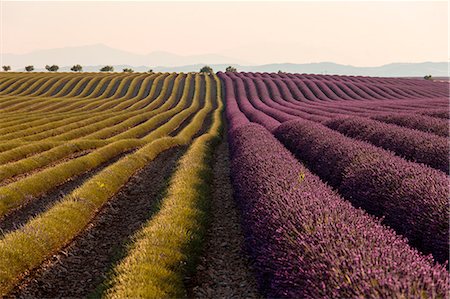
(109, 68)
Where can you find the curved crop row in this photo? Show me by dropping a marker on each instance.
(415, 145)
(35, 103)
(246, 107)
(87, 131)
(411, 197)
(307, 242)
(96, 104)
(158, 261)
(54, 128)
(25, 248)
(439, 113)
(27, 101)
(62, 151)
(52, 154)
(419, 122)
(16, 193)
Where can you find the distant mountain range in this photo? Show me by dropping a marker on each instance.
(436, 69)
(93, 57)
(100, 54)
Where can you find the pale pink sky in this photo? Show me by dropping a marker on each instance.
(357, 33)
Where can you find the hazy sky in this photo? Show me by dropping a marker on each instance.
(357, 33)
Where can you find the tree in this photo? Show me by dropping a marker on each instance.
(428, 77)
(77, 68)
(230, 69)
(280, 72)
(29, 68)
(127, 70)
(6, 68)
(107, 68)
(150, 71)
(206, 69)
(53, 68)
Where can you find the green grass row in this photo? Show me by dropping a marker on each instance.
(15, 103)
(43, 159)
(53, 127)
(37, 86)
(15, 194)
(49, 153)
(11, 102)
(27, 247)
(67, 104)
(84, 100)
(64, 106)
(166, 248)
(97, 94)
(50, 124)
(102, 130)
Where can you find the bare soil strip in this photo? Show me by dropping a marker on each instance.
(114, 88)
(210, 118)
(137, 88)
(36, 170)
(82, 87)
(68, 90)
(223, 270)
(81, 267)
(37, 205)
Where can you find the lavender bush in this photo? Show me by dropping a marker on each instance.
(307, 242)
(419, 122)
(439, 113)
(411, 197)
(243, 103)
(414, 145)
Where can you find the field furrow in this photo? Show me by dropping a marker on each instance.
(227, 185)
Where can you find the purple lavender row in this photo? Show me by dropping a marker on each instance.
(232, 112)
(279, 97)
(263, 109)
(370, 87)
(259, 107)
(408, 87)
(243, 105)
(438, 113)
(256, 100)
(282, 94)
(369, 108)
(414, 145)
(419, 122)
(393, 104)
(282, 109)
(307, 242)
(359, 91)
(397, 86)
(288, 91)
(287, 104)
(325, 92)
(271, 98)
(411, 197)
(367, 88)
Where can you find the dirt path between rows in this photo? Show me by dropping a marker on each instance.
(223, 270)
(80, 269)
(36, 205)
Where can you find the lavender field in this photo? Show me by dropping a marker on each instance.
(342, 182)
(227, 185)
